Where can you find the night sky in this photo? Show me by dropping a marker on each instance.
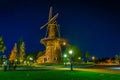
(93, 26)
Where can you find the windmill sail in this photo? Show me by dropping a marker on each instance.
(50, 21)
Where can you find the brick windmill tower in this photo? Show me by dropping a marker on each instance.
(52, 41)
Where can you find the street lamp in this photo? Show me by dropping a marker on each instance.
(64, 43)
(93, 58)
(79, 58)
(31, 58)
(70, 52)
(65, 56)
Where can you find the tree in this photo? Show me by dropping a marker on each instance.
(22, 52)
(19, 42)
(2, 45)
(77, 53)
(87, 55)
(40, 54)
(117, 58)
(13, 55)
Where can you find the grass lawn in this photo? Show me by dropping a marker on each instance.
(57, 75)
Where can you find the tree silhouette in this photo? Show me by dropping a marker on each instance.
(117, 58)
(13, 55)
(19, 42)
(2, 45)
(22, 52)
(87, 55)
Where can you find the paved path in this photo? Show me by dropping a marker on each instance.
(92, 69)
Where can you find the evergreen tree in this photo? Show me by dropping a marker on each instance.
(19, 42)
(13, 54)
(2, 45)
(22, 52)
(117, 58)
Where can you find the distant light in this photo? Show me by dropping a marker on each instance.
(79, 58)
(93, 57)
(64, 43)
(31, 58)
(70, 52)
(65, 55)
(25, 62)
(16, 60)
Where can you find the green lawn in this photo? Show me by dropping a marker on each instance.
(57, 75)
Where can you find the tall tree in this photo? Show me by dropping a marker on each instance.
(19, 42)
(22, 52)
(87, 55)
(2, 45)
(117, 58)
(13, 54)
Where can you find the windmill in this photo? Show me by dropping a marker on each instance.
(52, 41)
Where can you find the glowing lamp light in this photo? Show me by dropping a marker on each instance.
(79, 58)
(70, 52)
(93, 57)
(16, 60)
(31, 58)
(65, 55)
(64, 43)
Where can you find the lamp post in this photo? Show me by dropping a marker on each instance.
(93, 58)
(30, 60)
(65, 56)
(70, 52)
